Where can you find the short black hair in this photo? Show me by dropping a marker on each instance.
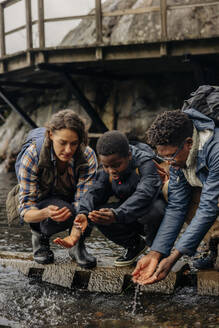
(170, 128)
(113, 142)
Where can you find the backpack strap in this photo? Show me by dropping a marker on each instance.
(36, 135)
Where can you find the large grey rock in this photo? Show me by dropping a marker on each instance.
(183, 23)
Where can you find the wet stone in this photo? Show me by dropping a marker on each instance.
(59, 274)
(208, 282)
(107, 280)
(165, 286)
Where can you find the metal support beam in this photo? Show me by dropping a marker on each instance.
(85, 104)
(16, 108)
(75, 90)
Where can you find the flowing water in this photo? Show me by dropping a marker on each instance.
(28, 303)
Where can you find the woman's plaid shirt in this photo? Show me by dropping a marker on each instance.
(28, 177)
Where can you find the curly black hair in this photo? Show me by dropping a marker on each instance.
(170, 128)
(113, 142)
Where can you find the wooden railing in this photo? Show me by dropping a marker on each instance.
(97, 14)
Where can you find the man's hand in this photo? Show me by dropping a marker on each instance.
(56, 214)
(161, 271)
(146, 267)
(104, 216)
(81, 221)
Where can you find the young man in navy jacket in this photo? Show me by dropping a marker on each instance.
(128, 173)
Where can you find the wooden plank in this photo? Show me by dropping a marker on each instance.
(98, 11)
(135, 11)
(201, 4)
(41, 23)
(9, 3)
(60, 19)
(17, 29)
(2, 31)
(29, 36)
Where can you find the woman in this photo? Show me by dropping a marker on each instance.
(51, 182)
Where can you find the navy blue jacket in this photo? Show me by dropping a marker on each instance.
(134, 191)
(179, 193)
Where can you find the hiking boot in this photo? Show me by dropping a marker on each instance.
(41, 248)
(205, 262)
(131, 254)
(209, 260)
(81, 256)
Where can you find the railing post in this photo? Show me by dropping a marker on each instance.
(29, 36)
(2, 31)
(41, 23)
(163, 17)
(98, 22)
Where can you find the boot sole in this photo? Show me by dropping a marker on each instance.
(126, 263)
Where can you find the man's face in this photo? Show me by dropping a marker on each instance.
(114, 164)
(65, 143)
(174, 155)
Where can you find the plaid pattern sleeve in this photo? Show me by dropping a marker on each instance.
(27, 178)
(87, 175)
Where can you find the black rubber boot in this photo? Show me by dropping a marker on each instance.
(81, 256)
(41, 249)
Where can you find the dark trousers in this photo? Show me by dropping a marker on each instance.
(127, 235)
(49, 227)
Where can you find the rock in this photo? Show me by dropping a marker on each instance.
(65, 273)
(183, 23)
(208, 282)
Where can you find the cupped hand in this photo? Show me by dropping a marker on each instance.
(56, 214)
(104, 216)
(146, 267)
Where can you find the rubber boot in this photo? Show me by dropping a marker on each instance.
(41, 249)
(81, 256)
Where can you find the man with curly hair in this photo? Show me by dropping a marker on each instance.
(189, 142)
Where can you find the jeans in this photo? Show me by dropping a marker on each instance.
(49, 227)
(127, 235)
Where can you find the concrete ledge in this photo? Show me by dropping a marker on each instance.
(105, 277)
(208, 282)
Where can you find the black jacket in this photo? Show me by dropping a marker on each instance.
(135, 191)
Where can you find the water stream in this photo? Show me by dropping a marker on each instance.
(28, 303)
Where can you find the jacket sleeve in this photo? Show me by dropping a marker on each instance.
(207, 211)
(87, 175)
(179, 194)
(138, 203)
(97, 194)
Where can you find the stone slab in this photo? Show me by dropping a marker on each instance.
(108, 279)
(166, 286)
(59, 274)
(104, 278)
(208, 282)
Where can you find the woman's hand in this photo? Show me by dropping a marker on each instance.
(57, 214)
